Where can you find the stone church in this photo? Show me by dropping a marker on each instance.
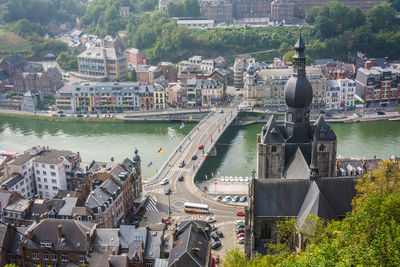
(296, 168)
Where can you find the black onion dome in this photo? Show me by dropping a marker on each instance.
(298, 92)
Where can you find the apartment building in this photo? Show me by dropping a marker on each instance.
(340, 94)
(177, 95)
(103, 62)
(39, 170)
(100, 97)
(378, 86)
(266, 87)
(219, 10)
(160, 101)
(283, 11)
(135, 57)
(241, 64)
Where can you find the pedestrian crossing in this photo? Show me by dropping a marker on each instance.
(156, 191)
(219, 224)
(151, 205)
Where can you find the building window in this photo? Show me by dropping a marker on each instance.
(53, 174)
(82, 258)
(44, 172)
(52, 167)
(64, 257)
(35, 256)
(273, 149)
(54, 181)
(149, 264)
(55, 188)
(53, 257)
(321, 148)
(46, 256)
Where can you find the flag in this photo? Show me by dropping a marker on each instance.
(205, 155)
(172, 137)
(160, 150)
(190, 118)
(182, 125)
(150, 163)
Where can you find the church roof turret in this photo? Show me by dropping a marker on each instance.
(298, 90)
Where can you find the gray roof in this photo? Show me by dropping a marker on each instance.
(297, 168)
(101, 194)
(4, 75)
(323, 131)
(128, 235)
(272, 133)
(52, 156)
(70, 203)
(324, 61)
(106, 237)
(73, 239)
(153, 244)
(21, 159)
(41, 206)
(135, 251)
(117, 261)
(12, 180)
(14, 59)
(4, 198)
(296, 197)
(190, 238)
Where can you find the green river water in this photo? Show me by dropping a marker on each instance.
(236, 149)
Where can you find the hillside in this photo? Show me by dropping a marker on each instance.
(11, 43)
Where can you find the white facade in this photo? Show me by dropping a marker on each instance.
(340, 94)
(50, 178)
(207, 65)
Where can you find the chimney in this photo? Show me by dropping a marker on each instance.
(60, 232)
(112, 159)
(37, 219)
(88, 237)
(195, 251)
(30, 234)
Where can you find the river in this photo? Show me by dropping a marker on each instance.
(236, 149)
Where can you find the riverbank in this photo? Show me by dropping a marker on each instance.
(58, 119)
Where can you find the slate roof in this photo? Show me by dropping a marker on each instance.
(295, 197)
(117, 261)
(135, 251)
(22, 159)
(323, 131)
(40, 207)
(324, 61)
(4, 75)
(12, 180)
(14, 59)
(297, 168)
(74, 235)
(128, 235)
(272, 133)
(153, 244)
(69, 204)
(182, 254)
(101, 194)
(4, 198)
(106, 237)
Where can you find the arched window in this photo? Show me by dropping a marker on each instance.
(273, 149)
(321, 148)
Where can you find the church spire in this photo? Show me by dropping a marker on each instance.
(299, 58)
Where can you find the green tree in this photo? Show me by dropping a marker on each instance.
(132, 75)
(191, 8)
(289, 55)
(381, 17)
(313, 13)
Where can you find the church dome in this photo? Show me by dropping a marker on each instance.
(298, 92)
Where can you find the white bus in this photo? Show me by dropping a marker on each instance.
(196, 208)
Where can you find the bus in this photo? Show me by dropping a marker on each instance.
(196, 208)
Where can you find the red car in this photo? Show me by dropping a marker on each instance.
(240, 235)
(200, 147)
(166, 221)
(240, 213)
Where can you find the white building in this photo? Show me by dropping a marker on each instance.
(207, 65)
(124, 11)
(340, 94)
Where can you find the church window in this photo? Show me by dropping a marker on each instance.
(273, 149)
(290, 117)
(321, 148)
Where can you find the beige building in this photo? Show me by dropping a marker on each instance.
(266, 87)
(101, 62)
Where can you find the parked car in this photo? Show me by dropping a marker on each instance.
(240, 226)
(215, 236)
(164, 181)
(180, 178)
(238, 222)
(221, 111)
(241, 240)
(235, 199)
(218, 198)
(60, 112)
(63, 115)
(194, 157)
(226, 199)
(181, 164)
(166, 220)
(79, 116)
(240, 213)
(216, 244)
(167, 191)
(210, 219)
(241, 230)
(380, 112)
(219, 233)
(54, 115)
(240, 235)
(243, 199)
(200, 147)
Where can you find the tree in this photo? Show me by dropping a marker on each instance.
(313, 13)
(289, 55)
(381, 17)
(132, 75)
(191, 8)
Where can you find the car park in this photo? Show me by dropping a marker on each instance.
(243, 199)
(167, 191)
(219, 233)
(164, 181)
(216, 244)
(240, 213)
(235, 199)
(215, 236)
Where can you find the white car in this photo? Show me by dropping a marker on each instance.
(241, 240)
(164, 181)
(239, 222)
(210, 219)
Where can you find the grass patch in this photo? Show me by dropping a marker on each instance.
(11, 43)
